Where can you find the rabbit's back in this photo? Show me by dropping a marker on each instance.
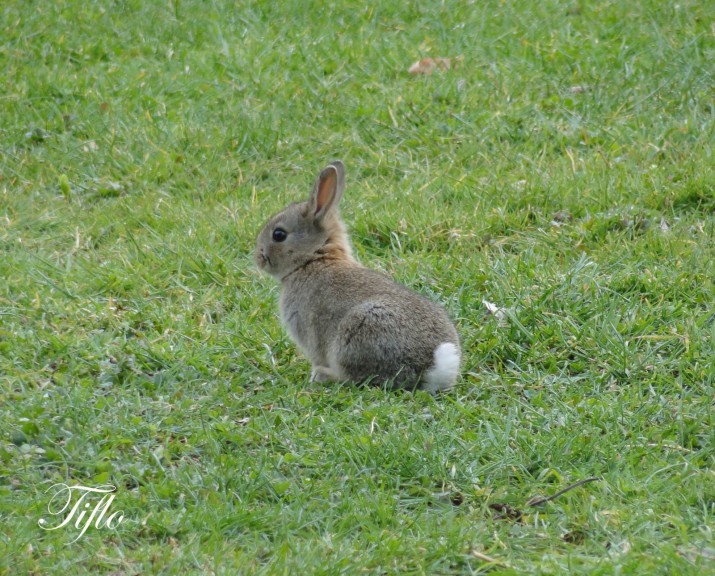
(363, 324)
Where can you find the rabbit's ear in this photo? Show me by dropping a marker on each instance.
(328, 190)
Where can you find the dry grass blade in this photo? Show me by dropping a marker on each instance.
(485, 558)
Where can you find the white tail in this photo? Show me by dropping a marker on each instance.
(445, 370)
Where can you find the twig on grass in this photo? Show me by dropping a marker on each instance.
(506, 511)
(542, 500)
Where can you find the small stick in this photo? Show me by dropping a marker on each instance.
(545, 499)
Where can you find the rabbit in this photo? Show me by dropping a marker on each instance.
(352, 323)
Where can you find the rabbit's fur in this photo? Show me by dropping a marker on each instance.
(351, 322)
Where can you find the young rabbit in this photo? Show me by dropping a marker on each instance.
(351, 322)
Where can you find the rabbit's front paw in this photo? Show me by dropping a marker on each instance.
(323, 374)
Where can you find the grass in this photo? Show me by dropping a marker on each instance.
(564, 172)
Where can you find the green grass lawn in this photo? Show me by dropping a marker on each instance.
(563, 171)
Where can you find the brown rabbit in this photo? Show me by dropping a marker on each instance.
(353, 323)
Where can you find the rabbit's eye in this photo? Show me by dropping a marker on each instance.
(279, 235)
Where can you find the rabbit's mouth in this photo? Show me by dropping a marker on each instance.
(262, 260)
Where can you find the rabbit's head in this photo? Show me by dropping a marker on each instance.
(306, 231)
